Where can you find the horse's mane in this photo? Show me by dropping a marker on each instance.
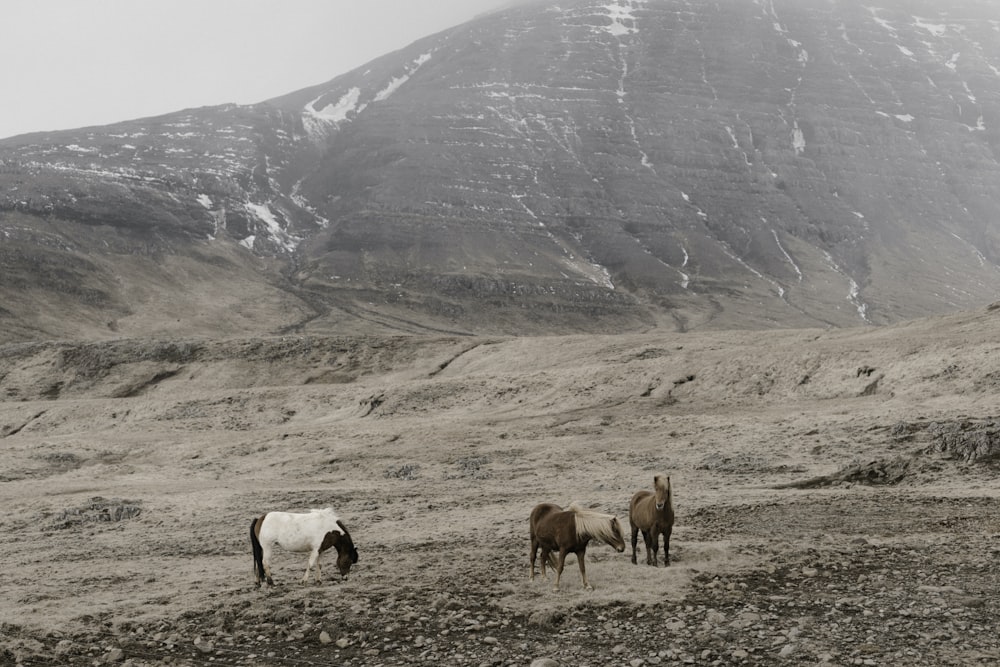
(670, 490)
(590, 523)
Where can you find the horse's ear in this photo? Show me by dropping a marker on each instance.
(656, 480)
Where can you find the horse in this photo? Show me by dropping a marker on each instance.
(314, 531)
(653, 514)
(569, 531)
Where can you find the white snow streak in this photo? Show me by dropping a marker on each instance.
(935, 29)
(979, 255)
(854, 293)
(264, 213)
(685, 278)
(400, 80)
(798, 139)
(784, 252)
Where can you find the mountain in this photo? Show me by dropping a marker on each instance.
(580, 166)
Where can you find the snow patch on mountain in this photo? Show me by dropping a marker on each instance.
(622, 19)
(935, 29)
(398, 81)
(318, 121)
(275, 232)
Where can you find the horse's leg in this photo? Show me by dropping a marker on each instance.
(666, 546)
(559, 567)
(583, 568)
(531, 559)
(266, 559)
(654, 534)
(635, 539)
(546, 555)
(646, 539)
(313, 557)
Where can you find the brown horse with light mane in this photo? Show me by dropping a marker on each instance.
(652, 512)
(570, 531)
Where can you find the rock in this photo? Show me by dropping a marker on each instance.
(546, 618)
(715, 617)
(343, 642)
(544, 662)
(324, 637)
(113, 656)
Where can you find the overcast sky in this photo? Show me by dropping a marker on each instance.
(72, 63)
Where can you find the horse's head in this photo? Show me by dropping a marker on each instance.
(619, 541)
(662, 486)
(347, 555)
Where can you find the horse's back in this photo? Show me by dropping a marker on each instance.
(542, 511)
(551, 523)
(297, 531)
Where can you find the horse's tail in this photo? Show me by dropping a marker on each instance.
(258, 551)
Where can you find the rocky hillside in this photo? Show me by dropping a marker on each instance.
(586, 166)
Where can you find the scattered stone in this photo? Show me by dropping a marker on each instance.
(113, 656)
(546, 618)
(544, 662)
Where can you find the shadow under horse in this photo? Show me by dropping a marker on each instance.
(554, 529)
(652, 513)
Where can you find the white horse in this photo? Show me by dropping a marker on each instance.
(314, 531)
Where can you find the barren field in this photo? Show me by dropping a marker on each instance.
(836, 495)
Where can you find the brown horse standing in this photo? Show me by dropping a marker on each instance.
(569, 531)
(652, 512)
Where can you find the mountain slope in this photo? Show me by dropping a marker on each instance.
(586, 166)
